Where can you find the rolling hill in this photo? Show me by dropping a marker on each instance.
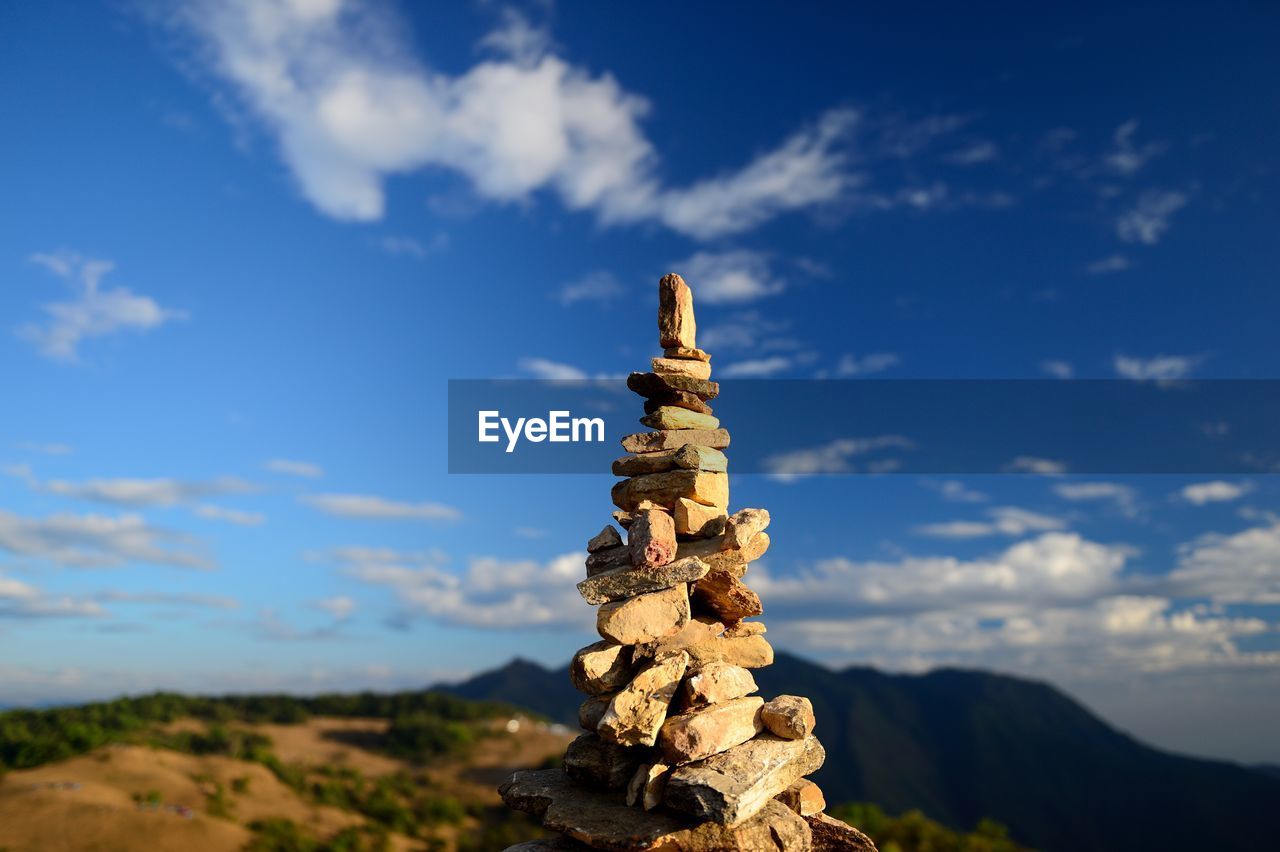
(963, 745)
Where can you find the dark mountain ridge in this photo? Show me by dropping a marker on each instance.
(961, 745)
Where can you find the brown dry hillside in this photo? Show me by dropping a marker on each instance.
(141, 797)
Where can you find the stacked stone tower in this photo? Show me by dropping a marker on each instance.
(679, 752)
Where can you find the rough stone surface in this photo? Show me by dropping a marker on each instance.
(804, 797)
(709, 489)
(676, 323)
(606, 538)
(743, 526)
(726, 597)
(686, 457)
(714, 553)
(601, 667)
(591, 760)
(591, 711)
(683, 367)
(638, 710)
(789, 716)
(716, 683)
(607, 559)
(698, 521)
(654, 385)
(747, 628)
(603, 821)
(709, 730)
(831, 835)
(734, 785)
(647, 786)
(750, 652)
(682, 352)
(679, 399)
(652, 538)
(644, 618)
(674, 417)
(622, 583)
(699, 630)
(669, 439)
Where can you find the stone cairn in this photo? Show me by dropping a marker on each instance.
(679, 753)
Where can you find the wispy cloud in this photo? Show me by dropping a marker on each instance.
(1123, 496)
(1159, 368)
(1239, 568)
(1149, 219)
(412, 246)
(757, 368)
(370, 507)
(598, 286)
(1002, 520)
(1109, 264)
(231, 516)
(292, 467)
(730, 277)
(1058, 369)
(544, 368)
(865, 365)
(139, 493)
(98, 541)
(1126, 157)
(974, 153)
(1218, 491)
(1039, 466)
(836, 457)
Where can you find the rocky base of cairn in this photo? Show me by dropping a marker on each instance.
(679, 753)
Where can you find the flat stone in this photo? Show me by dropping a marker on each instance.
(725, 596)
(686, 353)
(655, 385)
(591, 711)
(804, 797)
(591, 760)
(603, 540)
(698, 631)
(676, 323)
(618, 556)
(716, 683)
(652, 538)
(713, 552)
(789, 716)
(669, 439)
(686, 457)
(696, 520)
(603, 821)
(747, 628)
(831, 835)
(648, 785)
(601, 667)
(679, 399)
(559, 843)
(622, 583)
(709, 489)
(711, 729)
(644, 618)
(673, 417)
(750, 652)
(694, 369)
(638, 710)
(735, 785)
(743, 526)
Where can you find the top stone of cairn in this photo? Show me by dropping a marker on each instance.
(676, 326)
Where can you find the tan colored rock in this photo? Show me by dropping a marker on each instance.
(678, 399)
(601, 667)
(789, 716)
(652, 538)
(593, 761)
(672, 417)
(656, 385)
(624, 519)
(735, 785)
(709, 489)
(647, 786)
(750, 652)
(698, 631)
(622, 583)
(603, 540)
(603, 821)
(743, 526)
(713, 552)
(618, 556)
(638, 710)
(746, 628)
(591, 711)
(669, 439)
(644, 618)
(687, 457)
(704, 731)
(683, 367)
(685, 353)
(676, 324)
(831, 835)
(696, 520)
(726, 597)
(804, 797)
(716, 683)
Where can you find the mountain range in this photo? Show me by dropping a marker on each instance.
(962, 745)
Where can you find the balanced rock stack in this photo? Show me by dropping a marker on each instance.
(680, 753)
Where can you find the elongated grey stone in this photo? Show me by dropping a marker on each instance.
(734, 785)
(622, 583)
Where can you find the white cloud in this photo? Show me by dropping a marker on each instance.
(291, 467)
(973, 154)
(543, 368)
(1110, 263)
(1240, 568)
(97, 541)
(956, 491)
(168, 599)
(729, 277)
(146, 492)
(340, 607)
(834, 457)
(49, 449)
(1126, 158)
(1041, 467)
(1058, 369)
(412, 246)
(350, 106)
(1123, 496)
(1148, 220)
(1004, 520)
(1159, 368)
(367, 506)
(750, 331)
(231, 516)
(597, 286)
(94, 311)
(1217, 491)
(757, 368)
(875, 362)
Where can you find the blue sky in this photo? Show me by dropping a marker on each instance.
(246, 244)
